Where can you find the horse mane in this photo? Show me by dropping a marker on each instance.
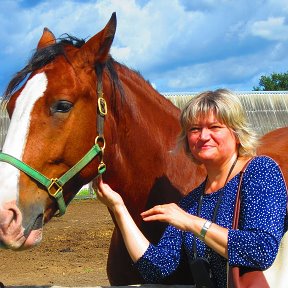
(43, 56)
(40, 58)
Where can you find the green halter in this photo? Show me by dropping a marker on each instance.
(54, 186)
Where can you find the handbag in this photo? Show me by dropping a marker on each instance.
(244, 277)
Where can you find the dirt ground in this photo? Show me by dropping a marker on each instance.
(73, 251)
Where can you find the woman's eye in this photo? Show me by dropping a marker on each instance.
(61, 106)
(215, 127)
(194, 129)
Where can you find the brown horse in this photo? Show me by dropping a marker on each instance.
(59, 113)
(54, 122)
(275, 145)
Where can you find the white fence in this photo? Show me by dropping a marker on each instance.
(266, 110)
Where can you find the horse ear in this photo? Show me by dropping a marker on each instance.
(47, 39)
(98, 47)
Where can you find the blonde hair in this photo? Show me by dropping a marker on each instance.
(228, 109)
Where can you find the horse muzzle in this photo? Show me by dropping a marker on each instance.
(12, 233)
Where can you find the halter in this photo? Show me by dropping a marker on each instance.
(54, 186)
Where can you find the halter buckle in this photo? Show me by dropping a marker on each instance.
(102, 106)
(101, 168)
(57, 187)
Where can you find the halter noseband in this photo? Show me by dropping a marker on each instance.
(54, 186)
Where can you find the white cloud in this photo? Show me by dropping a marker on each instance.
(273, 28)
(176, 44)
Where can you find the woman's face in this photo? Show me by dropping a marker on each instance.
(211, 140)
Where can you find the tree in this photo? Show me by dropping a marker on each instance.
(274, 82)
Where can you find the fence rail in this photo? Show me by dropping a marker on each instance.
(266, 111)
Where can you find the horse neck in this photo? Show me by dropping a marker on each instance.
(146, 118)
(143, 139)
(145, 108)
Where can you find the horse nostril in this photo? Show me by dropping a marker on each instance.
(15, 215)
(38, 222)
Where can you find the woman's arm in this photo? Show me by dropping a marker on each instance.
(216, 236)
(263, 210)
(153, 262)
(136, 243)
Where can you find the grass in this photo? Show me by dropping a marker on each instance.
(85, 193)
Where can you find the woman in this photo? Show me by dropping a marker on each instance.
(215, 134)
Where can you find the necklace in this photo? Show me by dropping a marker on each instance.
(229, 173)
(220, 196)
(216, 206)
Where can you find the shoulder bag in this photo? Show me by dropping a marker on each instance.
(244, 277)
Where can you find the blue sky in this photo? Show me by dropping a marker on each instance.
(178, 45)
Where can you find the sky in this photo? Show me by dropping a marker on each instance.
(178, 45)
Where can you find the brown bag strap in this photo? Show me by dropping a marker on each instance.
(238, 277)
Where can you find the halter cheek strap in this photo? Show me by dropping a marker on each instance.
(54, 186)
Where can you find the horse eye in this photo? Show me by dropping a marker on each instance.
(61, 106)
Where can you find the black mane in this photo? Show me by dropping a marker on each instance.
(40, 58)
(43, 56)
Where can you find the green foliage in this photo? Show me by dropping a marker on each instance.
(85, 193)
(274, 82)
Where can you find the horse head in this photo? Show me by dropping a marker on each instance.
(55, 142)
(55, 138)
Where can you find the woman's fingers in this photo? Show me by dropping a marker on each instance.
(155, 210)
(158, 212)
(169, 213)
(160, 209)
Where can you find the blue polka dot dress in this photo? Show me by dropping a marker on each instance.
(255, 244)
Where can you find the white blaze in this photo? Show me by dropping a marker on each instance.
(17, 135)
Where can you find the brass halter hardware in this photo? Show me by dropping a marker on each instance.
(54, 186)
(100, 141)
(102, 106)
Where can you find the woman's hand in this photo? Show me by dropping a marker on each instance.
(136, 243)
(108, 196)
(171, 214)
(216, 237)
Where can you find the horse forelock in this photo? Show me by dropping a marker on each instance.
(39, 59)
(45, 55)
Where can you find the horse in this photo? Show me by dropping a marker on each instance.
(70, 95)
(275, 145)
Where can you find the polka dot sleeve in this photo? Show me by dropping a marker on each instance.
(263, 209)
(160, 261)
